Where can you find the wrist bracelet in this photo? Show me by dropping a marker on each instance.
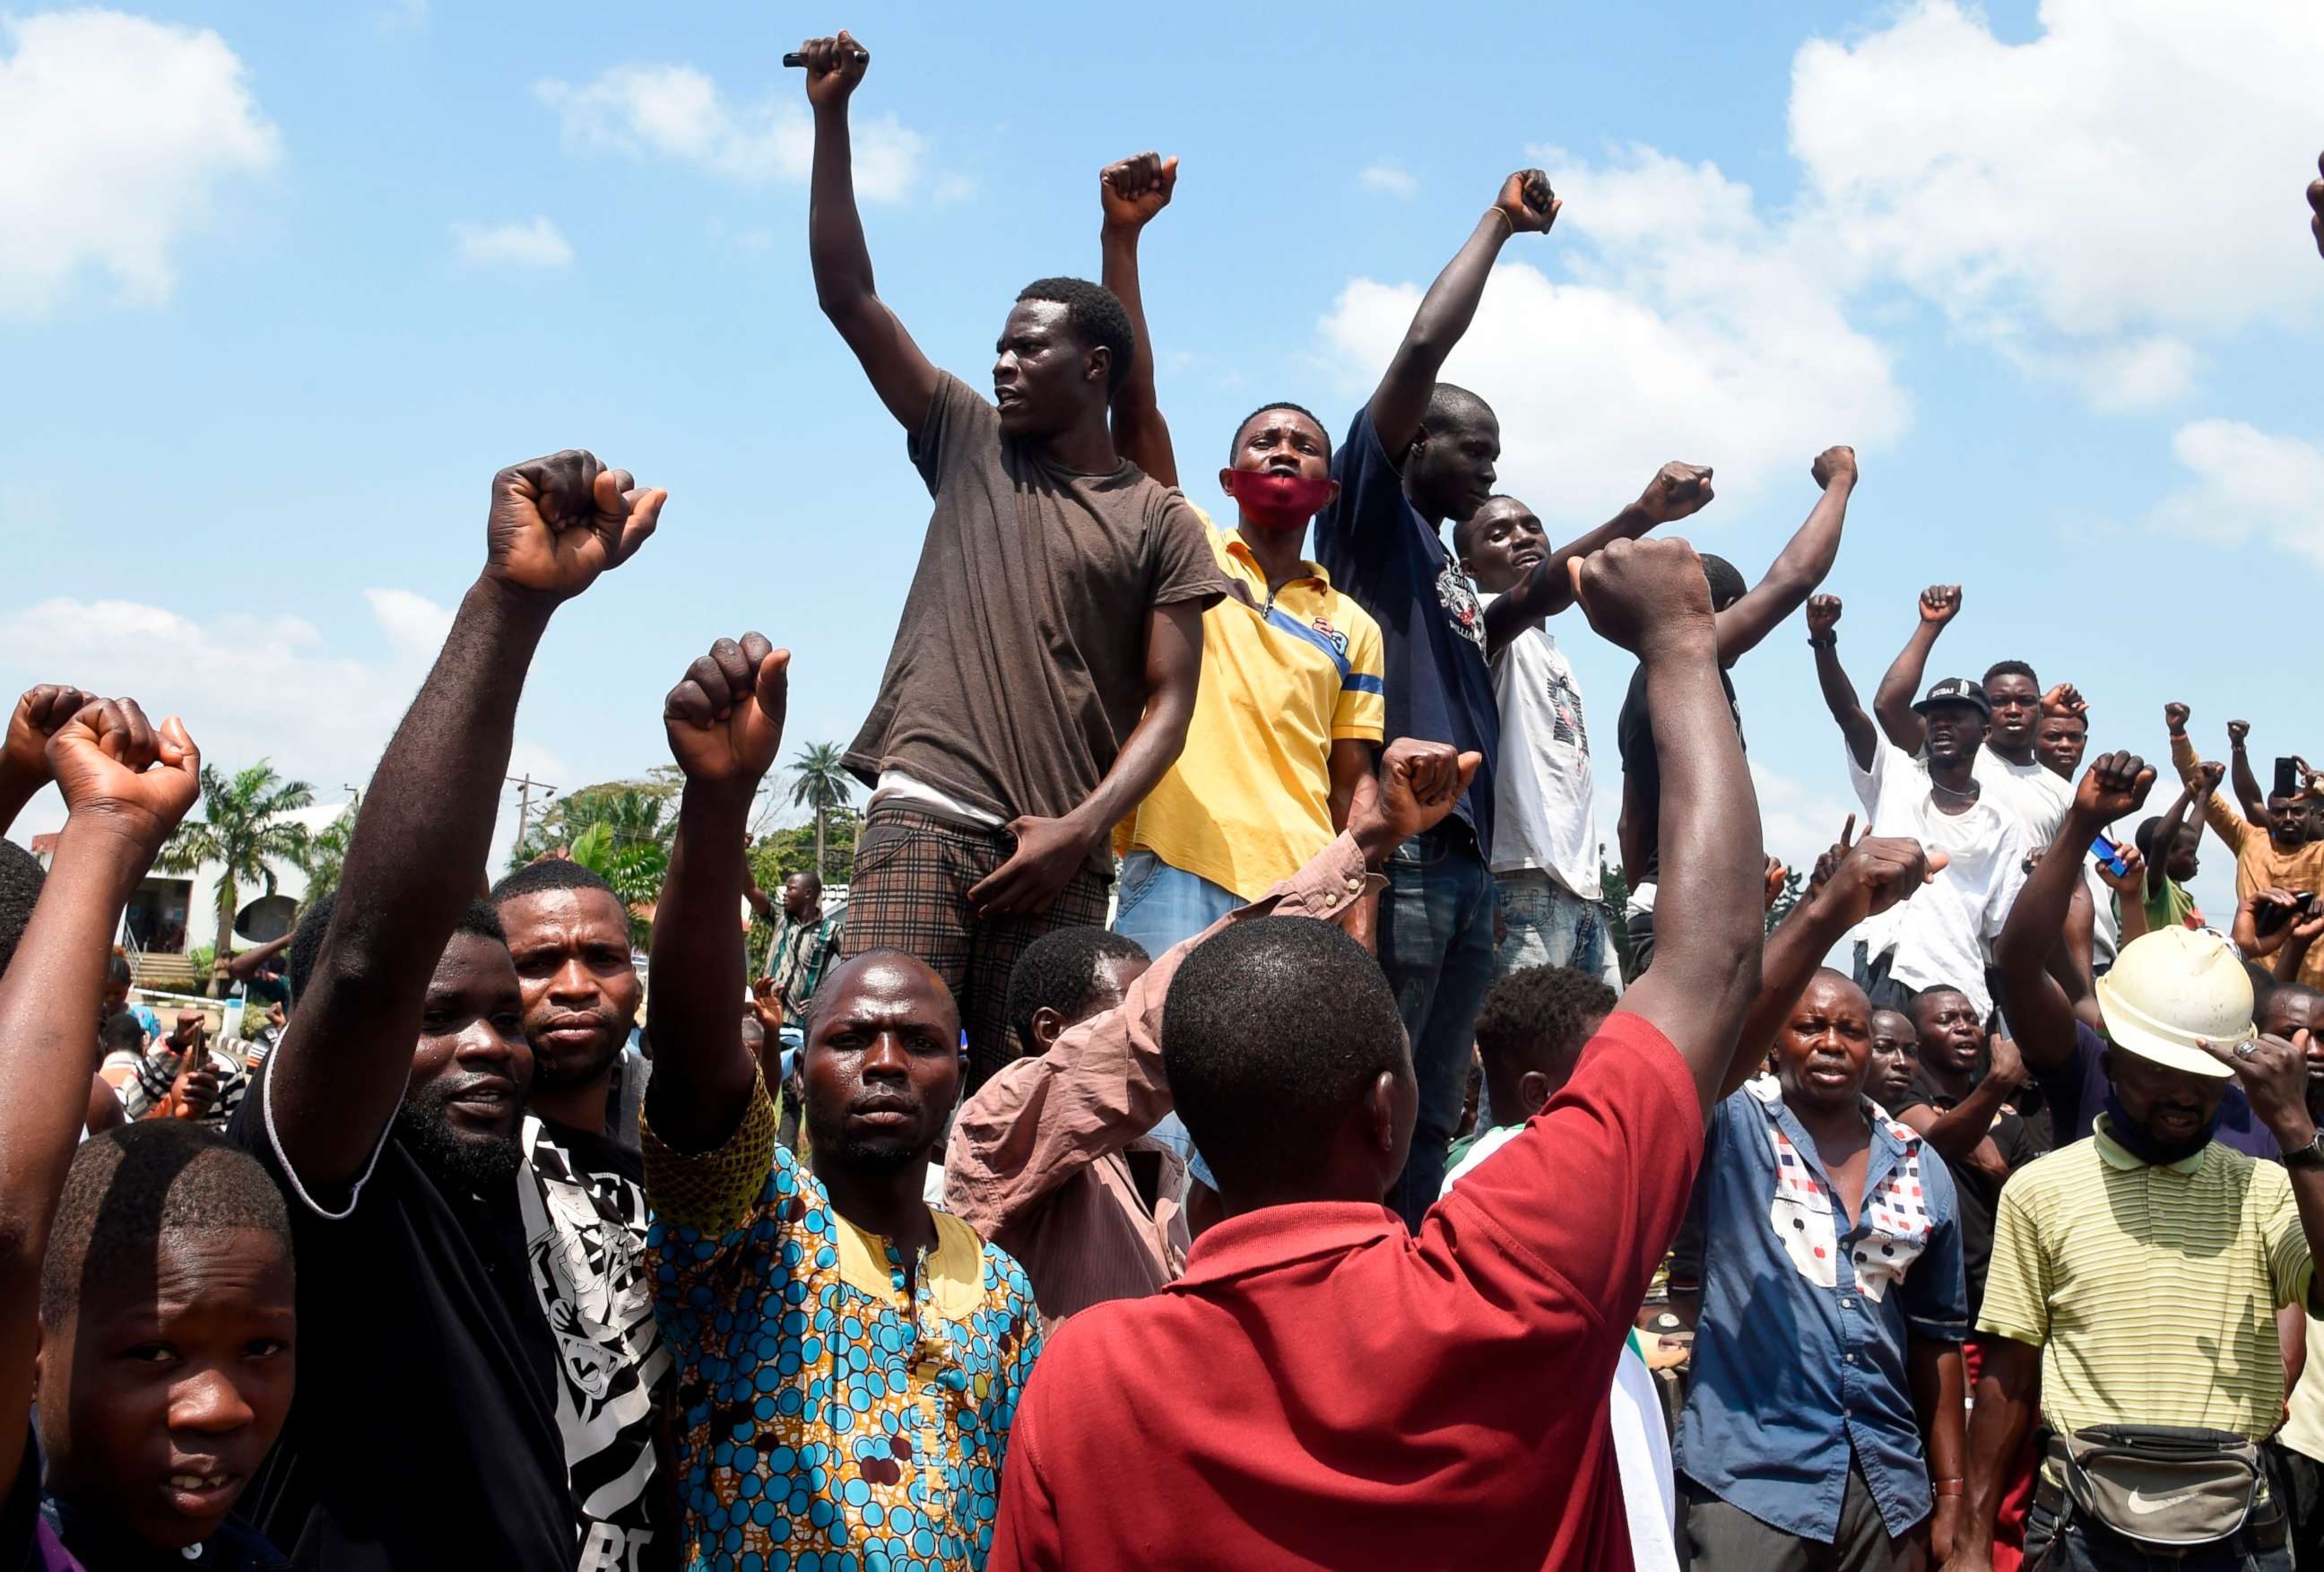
(1944, 1487)
(1828, 641)
(1507, 223)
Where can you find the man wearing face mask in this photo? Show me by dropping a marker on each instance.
(1291, 705)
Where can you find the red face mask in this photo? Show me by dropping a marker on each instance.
(1279, 501)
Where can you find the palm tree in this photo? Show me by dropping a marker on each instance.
(326, 853)
(244, 830)
(820, 781)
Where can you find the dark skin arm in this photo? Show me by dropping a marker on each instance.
(119, 811)
(1677, 491)
(2248, 796)
(1799, 567)
(1960, 1132)
(1131, 192)
(1857, 881)
(725, 722)
(2273, 1072)
(1649, 597)
(426, 829)
(1630, 831)
(1050, 851)
(1938, 1375)
(900, 373)
(2008, 1381)
(1831, 679)
(247, 966)
(1900, 686)
(1352, 761)
(1524, 206)
(24, 756)
(2041, 1017)
(2294, 956)
(2166, 834)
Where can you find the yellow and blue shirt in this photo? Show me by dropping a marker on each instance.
(834, 1408)
(1285, 675)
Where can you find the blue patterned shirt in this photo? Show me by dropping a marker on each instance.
(829, 1416)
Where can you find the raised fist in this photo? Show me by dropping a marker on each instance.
(2065, 698)
(1636, 591)
(1133, 190)
(1941, 603)
(1417, 784)
(2114, 786)
(557, 522)
(2210, 772)
(38, 713)
(834, 68)
(1877, 872)
(2175, 716)
(1527, 202)
(1834, 463)
(725, 719)
(2316, 201)
(114, 769)
(2238, 732)
(1677, 491)
(1824, 613)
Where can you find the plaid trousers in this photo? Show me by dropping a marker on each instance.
(909, 891)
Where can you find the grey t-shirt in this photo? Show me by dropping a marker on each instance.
(1019, 665)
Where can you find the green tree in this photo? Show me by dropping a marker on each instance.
(820, 781)
(1794, 881)
(636, 813)
(245, 830)
(326, 854)
(777, 855)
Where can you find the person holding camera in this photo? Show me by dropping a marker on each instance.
(2274, 854)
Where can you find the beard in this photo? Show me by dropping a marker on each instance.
(455, 1158)
(548, 1076)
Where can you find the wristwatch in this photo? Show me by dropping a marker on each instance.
(1824, 643)
(2308, 1156)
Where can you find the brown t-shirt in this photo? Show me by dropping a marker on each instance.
(1019, 665)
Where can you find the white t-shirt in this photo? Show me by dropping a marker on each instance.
(1642, 1452)
(1944, 933)
(1541, 793)
(2038, 798)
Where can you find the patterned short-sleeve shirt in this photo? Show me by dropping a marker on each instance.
(838, 1405)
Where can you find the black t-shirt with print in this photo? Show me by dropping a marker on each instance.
(425, 1431)
(1980, 1192)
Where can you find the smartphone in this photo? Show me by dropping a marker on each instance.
(2267, 919)
(2109, 857)
(2287, 778)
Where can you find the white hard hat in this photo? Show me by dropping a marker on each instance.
(2172, 989)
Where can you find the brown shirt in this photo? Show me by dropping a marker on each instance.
(1039, 1159)
(1019, 666)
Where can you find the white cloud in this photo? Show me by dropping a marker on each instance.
(117, 131)
(1695, 329)
(1798, 823)
(414, 623)
(675, 111)
(1389, 178)
(2090, 200)
(536, 245)
(2246, 482)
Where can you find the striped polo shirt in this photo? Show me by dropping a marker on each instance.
(2150, 1291)
(1286, 674)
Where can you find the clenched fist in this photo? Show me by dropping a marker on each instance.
(555, 524)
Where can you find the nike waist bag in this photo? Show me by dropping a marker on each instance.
(2161, 1485)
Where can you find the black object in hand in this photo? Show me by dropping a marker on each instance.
(795, 60)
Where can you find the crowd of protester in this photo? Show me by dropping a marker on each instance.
(1217, 1131)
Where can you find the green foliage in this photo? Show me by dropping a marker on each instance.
(245, 831)
(326, 854)
(775, 856)
(820, 781)
(620, 831)
(1794, 883)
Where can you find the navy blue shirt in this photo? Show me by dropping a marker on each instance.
(2076, 1094)
(1376, 548)
(1800, 1350)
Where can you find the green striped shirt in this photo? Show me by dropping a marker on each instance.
(2150, 1291)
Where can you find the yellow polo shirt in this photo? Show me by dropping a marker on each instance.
(2151, 1291)
(1283, 676)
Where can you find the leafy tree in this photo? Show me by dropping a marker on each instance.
(326, 853)
(1794, 883)
(820, 781)
(775, 856)
(636, 813)
(245, 830)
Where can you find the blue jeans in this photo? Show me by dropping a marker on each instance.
(1162, 906)
(1436, 946)
(1548, 925)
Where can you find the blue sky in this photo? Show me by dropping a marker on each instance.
(285, 284)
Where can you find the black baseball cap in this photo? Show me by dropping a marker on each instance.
(1956, 690)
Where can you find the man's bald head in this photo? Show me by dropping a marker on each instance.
(883, 974)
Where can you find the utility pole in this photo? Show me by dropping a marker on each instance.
(524, 785)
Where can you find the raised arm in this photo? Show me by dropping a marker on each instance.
(900, 374)
(2229, 825)
(2248, 796)
(1892, 701)
(246, 965)
(1131, 192)
(1853, 884)
(118, 812)
(1649, 597)
(24, 756)
(1799, 567)
(1049, 850)
(1525, 205)
(725, 722)
(1961, 1133)
(1831, 679)
(1677, 491)
(419, 844)
(2041, 1018)
(2166, 834)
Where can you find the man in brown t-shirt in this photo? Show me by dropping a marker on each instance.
(1045, 670)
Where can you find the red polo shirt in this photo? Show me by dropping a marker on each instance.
(1323, 1390)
